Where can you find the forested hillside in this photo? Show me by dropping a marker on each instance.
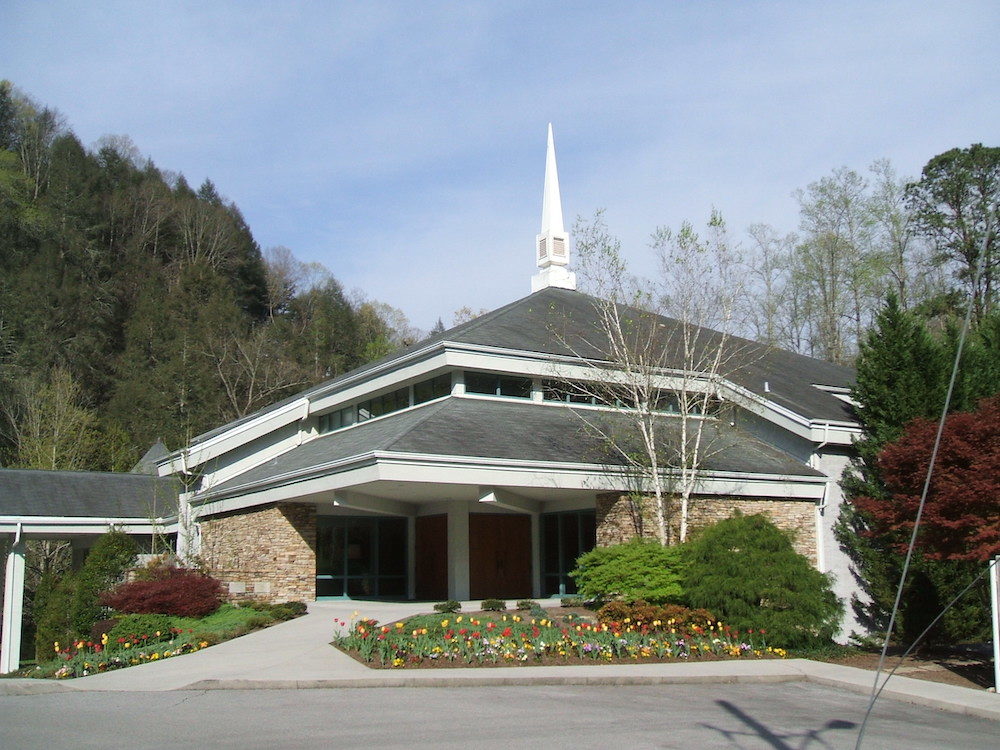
(135, 307)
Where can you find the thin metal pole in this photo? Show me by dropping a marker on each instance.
(995, 599)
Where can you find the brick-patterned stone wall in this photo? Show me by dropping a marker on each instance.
(266, 553)
(619, 518)
(624, 517)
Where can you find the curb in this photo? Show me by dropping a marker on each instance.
(30, 686)
(449, 682)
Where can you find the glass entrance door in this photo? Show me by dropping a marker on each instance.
(565, 536)
(360, 557)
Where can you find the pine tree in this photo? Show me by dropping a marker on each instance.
(902, 375)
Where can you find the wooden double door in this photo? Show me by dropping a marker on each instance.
(499, 556)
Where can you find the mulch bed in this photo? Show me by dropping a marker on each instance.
(969, 669)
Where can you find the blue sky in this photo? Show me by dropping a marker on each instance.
(402, 144)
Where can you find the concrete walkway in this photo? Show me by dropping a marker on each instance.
(297, 654)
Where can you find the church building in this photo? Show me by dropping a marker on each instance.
(464, 467)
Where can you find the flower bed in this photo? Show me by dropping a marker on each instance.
(512, 639)
(80, 658)
(83, 658)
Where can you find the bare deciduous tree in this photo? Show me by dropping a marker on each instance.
(666, 350)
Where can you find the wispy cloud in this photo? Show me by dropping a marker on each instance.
(402, 144)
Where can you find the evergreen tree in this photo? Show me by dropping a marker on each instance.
(902, 374)
(745, 571)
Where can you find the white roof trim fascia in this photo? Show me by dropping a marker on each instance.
(467, 462)
(317, 489)
(84, 524)
(576, 468)
(194, 455)
(329, 467)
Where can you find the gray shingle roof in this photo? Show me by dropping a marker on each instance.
(514, 430)
(564, 322)
(83, 494)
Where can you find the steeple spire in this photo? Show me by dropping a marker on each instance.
(553, 242)
(552, 219)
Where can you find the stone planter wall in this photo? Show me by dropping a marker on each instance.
(619, 518)
(266, 553)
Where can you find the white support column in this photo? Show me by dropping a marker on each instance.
(13, 607)
(458, 552)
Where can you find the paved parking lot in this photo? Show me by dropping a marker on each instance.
(783, 715)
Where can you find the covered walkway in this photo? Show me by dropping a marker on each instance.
(75, 507)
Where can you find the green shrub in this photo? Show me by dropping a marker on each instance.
(54, 599)
(260, 621)
(281, 612)
(639, 569)
(745, 570)
(449, 606)
(528, 604)
(107, 563)
(141, 625)
(572, 601)
(299, 608)
(494, 605)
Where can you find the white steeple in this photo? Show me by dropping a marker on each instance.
(553, 242)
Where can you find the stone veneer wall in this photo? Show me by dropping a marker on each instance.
(620, 518)
(266, 553)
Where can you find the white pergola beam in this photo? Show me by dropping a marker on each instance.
(508, 500)
(381, 505)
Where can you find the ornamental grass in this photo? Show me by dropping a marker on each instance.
(512, 639)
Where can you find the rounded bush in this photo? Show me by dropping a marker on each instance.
(640, 569)
(299, 608)
(745, 570)
(137, 626)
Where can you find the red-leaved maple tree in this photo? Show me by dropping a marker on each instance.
(961, 519)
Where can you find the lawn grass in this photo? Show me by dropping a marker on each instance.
(226, 622)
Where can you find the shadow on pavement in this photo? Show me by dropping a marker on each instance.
(779, 741)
